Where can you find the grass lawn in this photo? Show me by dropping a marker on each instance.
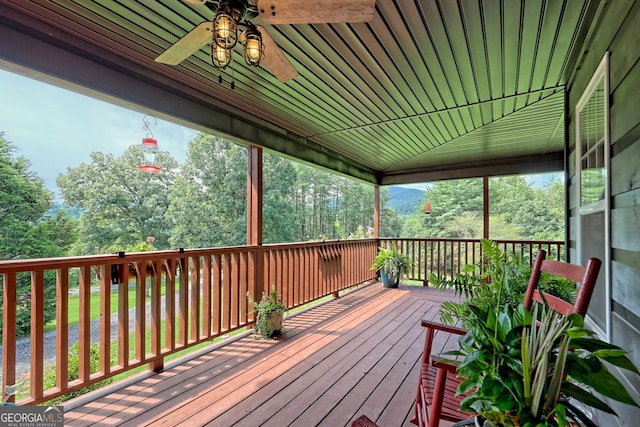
(74, 306)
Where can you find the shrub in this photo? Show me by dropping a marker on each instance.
(74, 368)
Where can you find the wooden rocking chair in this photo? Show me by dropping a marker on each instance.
(436, 399)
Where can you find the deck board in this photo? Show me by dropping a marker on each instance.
(354, 355)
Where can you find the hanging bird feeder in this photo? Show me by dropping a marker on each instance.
(149, 150)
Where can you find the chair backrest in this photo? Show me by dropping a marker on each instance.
(585, 277)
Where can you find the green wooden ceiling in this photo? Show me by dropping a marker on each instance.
(427, 89)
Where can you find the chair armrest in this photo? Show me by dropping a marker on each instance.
(442, 363)
(442, 327)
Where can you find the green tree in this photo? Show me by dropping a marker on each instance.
(392, 223)
(208, 202)
(517, 210)
(120, 204)
(23, 201)
(448, 199)
(25, 231)
(280, 222)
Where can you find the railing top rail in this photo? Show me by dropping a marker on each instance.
(457, 239)
(36, 264)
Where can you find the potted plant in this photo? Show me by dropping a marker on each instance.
(500, 278)
(269, 313)
(521, 372)
(392, 264)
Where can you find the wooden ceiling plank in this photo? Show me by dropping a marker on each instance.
(364, 144)
(511, 35)
(551, 23)
(382, 50)
(492, 18)
(400, 45)
(459, 42)
(529, 43)
(410, 136)
(448, 128)
(356, 75)
(336, 88)
(486, 113)
(457, 121)
(475, 112)
(423, 133)
(438, 33)
(571, 18)
(498, 110)
(476, 40)
(440, 95)
(430, 140)
(438, 128)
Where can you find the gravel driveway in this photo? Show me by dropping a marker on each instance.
(23, 346)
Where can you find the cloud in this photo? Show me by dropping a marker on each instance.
(55, 128)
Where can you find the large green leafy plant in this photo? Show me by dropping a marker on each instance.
(522, 372)
(392, 261)
(501, 278)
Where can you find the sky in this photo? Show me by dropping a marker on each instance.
(56, 128)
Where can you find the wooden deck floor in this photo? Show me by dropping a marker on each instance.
(354, 355)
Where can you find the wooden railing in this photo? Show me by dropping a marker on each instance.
(447, 257)
(154, 304)
(180, 299)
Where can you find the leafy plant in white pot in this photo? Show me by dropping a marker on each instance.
(269, 313)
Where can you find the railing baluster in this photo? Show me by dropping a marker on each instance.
(123, 315)
(37, 334)
(105, 319)
(217, 297)
(84, 367)
(194, 301)
(243, 288)
(156, 346)
(206, 297)
(9, 285)
(62, 328)
(170, 304)
(141, 284)
(226, 292)
(183, 302)
(235, 290)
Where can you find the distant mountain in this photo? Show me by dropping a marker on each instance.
(405, 201)
(72, 211)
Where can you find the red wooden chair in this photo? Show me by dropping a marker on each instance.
(436, 399)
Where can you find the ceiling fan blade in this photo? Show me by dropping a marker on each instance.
(315, 12)
(196, 2)
(187, 45)
(274, 59)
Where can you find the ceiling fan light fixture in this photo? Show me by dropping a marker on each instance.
(220, 57)
(225, 25)
(253, 47)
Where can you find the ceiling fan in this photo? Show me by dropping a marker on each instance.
(235, 16)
